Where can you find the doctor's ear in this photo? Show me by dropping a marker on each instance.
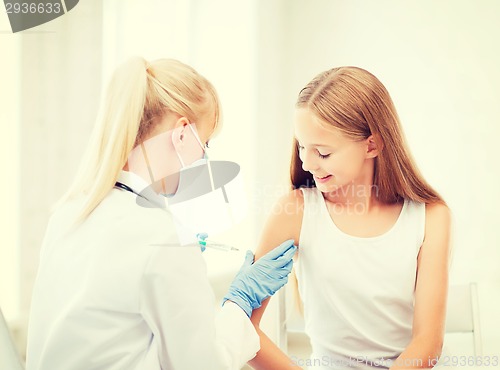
(374, 146)
(179, 132)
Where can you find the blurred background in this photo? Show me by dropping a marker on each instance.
(438, 59)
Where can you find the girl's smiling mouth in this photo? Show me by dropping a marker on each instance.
(322, 179)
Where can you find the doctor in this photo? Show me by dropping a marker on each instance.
(115, 289)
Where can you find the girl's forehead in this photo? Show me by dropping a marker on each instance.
(314, 131)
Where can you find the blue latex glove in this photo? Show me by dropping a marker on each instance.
(260, 280)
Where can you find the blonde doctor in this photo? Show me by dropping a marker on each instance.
(115, 289)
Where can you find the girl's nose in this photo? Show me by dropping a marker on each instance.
(308, 163)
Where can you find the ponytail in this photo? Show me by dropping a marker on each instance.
(113, 136)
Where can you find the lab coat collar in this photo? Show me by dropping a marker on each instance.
(135, 182)
(146, 196)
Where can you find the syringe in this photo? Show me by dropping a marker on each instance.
(216, 245)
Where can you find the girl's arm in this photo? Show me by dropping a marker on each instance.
(283, 223)
(430, 292)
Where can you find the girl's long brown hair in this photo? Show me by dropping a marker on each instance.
(357, 103)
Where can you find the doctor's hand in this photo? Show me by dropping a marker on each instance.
(257, 281)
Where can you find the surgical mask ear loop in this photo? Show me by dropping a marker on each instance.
(180, 159)
(150, 171)
(209, 166)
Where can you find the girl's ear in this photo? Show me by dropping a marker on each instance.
(374, 146)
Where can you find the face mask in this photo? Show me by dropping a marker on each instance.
(209, 197)
(205, 207)
(187, 178)
(194, 179)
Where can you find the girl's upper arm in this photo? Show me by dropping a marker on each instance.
(283, 223)
(431, 289)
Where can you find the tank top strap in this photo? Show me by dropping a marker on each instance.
(414, 219)
(314, 221)
(312, 200)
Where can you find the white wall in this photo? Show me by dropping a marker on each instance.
(49, 91)
(9, 163)
(60, 79)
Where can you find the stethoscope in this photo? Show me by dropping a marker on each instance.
(120, 185)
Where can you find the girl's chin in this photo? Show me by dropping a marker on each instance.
(328, 187)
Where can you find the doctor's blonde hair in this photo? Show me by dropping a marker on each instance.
(354, 101)
(139, 93)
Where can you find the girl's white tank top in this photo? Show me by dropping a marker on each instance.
(358, 293)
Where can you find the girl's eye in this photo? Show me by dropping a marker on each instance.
(323, 156)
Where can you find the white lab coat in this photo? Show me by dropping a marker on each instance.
(109, 296)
